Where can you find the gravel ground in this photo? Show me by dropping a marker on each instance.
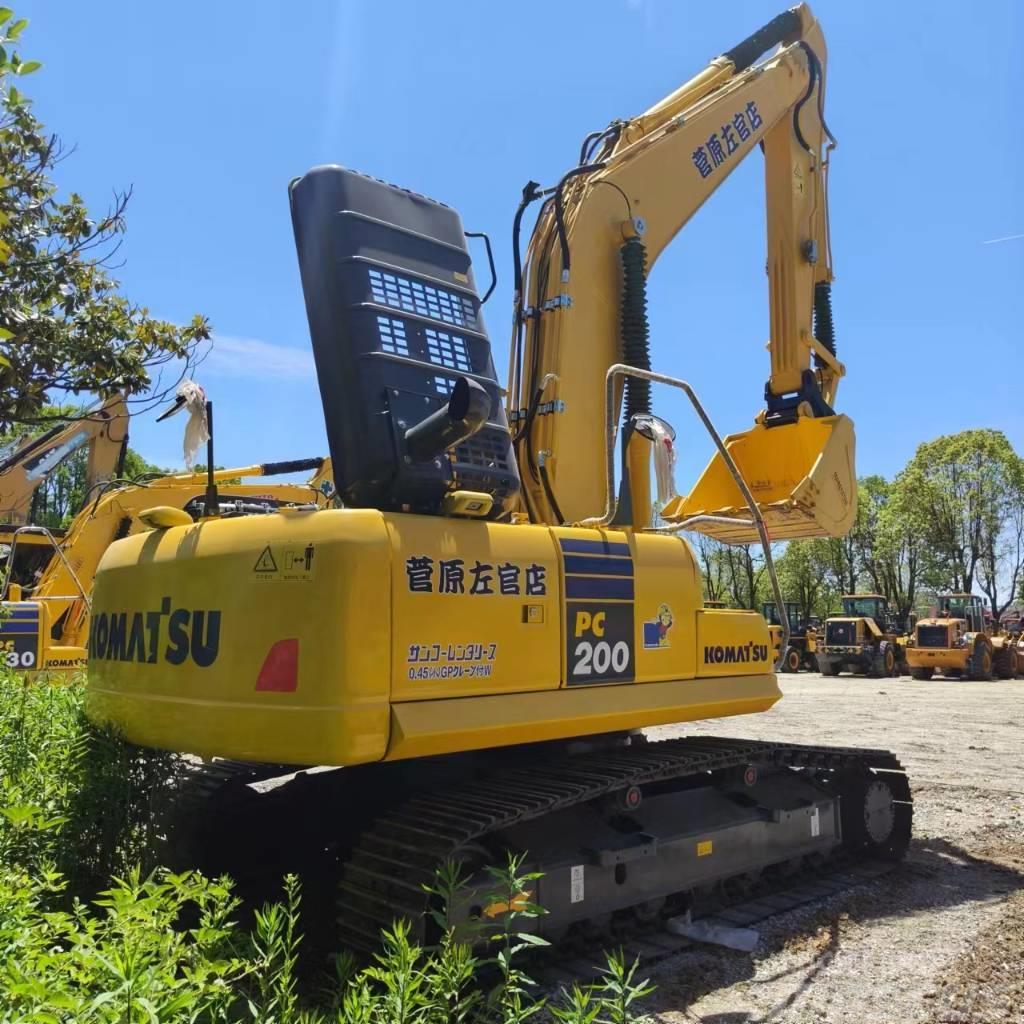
(940, 939)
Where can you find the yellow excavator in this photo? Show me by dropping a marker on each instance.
(47, 576)
(104, 429)
(477, 638)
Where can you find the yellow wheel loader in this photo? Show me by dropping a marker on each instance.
(957, 643)
(477, 639)
(803, 638)
(864, 640)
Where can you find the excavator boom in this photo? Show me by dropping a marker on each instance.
(598, 234)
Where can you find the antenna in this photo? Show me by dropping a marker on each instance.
(212, 501)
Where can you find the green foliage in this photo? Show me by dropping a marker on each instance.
(77, 805)
(964, 495)
(73, 797)
(63, 323)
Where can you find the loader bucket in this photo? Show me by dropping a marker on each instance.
(801, 475)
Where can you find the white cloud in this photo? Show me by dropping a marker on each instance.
(250, 357)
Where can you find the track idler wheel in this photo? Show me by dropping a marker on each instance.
(875, 813)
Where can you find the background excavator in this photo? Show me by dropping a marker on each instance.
(476, 639)
(104, 429)
(47, 573)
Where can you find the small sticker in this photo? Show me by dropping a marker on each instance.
(656, 632)
(576, 883)
(815, 823)
(265, 563)
(285, 564)
(705, 848)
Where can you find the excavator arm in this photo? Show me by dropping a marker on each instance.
(581, 305)
(104, 429)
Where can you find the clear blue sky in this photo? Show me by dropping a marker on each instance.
(209, 109)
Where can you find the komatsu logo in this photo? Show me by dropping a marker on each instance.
(735, 653)
(173, 636)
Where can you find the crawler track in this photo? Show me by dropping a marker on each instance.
(383, 876)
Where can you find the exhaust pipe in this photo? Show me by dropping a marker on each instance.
(467, 410)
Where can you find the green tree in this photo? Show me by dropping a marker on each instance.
(804, 577)
(963, 492)
(64, 326)
(889, 542)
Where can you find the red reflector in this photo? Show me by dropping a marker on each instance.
(280, 671)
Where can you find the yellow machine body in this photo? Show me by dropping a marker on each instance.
(349, 636)
(54, 638)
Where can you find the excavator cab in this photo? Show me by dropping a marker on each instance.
(800, 473)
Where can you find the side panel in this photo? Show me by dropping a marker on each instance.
(257, 638)
(476, 608)
(731, 642)
(23, 626)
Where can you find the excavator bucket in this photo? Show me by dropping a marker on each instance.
(801, 475)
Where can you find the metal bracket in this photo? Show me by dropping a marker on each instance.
(622, 370)
(562, 301)
(59, 551)
(555, 405)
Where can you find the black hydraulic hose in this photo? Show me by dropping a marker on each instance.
(815, 69)
(634, 328)
(816, 78)
(591, 138)
(294, 466)
(824, 327)
(546, 481)
(782, 27)
(490, 260)
(604, 142)
(563, 239)
(531, 192)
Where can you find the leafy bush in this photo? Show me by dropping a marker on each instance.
(77, 806)
(73, 796)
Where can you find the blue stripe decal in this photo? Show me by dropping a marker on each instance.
(20, 613)
(593, 547)
(591, 566)
(597, 589)
(19, 629)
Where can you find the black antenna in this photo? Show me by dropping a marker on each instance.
(212, 506)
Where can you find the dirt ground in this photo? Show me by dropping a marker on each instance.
(940, 939)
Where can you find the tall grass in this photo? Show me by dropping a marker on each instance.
(92, 931)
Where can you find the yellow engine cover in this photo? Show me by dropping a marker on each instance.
(349, 636)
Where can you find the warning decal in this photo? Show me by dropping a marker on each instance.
(285, 563)
(265, 563)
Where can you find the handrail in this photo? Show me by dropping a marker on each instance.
(60, 554)
(611, 502)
